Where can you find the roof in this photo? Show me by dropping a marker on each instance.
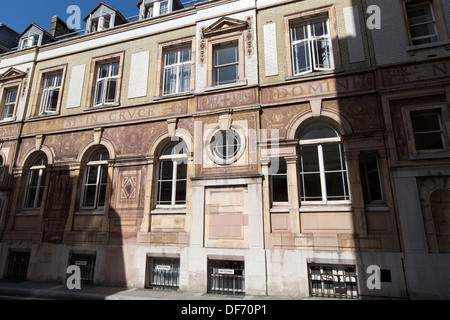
(35, 25)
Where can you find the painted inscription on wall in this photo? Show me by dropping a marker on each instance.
(106, 118)
(306, 90)
(230, 99)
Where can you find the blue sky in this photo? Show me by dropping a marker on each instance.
(18, 14)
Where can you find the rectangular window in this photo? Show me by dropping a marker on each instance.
(427, 130)
(226, 277)
(86, 262)
(311, 47)
(162, 273)
(328, 281)
(106, 84)
(226, 64)
(323, 173)
(50, 94)
(17, 266)
(31, 41)
(371, 179)
(177, 71)
(421, 21)
(280, 183)
(9, 104)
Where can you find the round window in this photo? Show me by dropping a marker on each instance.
(226, 146)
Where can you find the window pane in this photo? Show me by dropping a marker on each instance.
(99, 89)
(332, 157)
(301, 58)
(185, 78)
(181, 192)
(320, 29)
(226, 55)
(422, 30)
(424, 122)
(310, 159)
(181, 170)
(336, 186)
(104, 71)
(54, 95)
(170, 80)
(166, 170)
(102, 195)
(374, 186)
(311, 187)
(428, 141)
(165, 192)
(228, 74)
(171, 57)
(111, 91)
(279, 188)
(89, 196)
(299, 33)
(186, 55)
(30, 197)
(322, 54)
(92, 175)
(319, 132)
(115, 69)
(419, 14)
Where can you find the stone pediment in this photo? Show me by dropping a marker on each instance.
(12, 73)
(225, 25)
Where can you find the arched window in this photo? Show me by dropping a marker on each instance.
(323, 172)
(172, 175)
(95, 179)
(34, 190)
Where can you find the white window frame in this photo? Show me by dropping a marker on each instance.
(36, 168)
(102, 168)
(178, 66)
(312, 49)
(31, 41)
(105, 82)
(433, 22)
(164, 9)
(52, 84)
(8, 104)
(176, 159)
(319, 143)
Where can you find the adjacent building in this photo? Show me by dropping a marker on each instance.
(257, 147)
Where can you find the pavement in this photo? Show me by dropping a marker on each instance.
(59, 291)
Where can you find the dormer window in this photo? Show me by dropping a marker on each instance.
(148, 12)
(31, 41)
(163, 7)
(100, 23)
(103, 17)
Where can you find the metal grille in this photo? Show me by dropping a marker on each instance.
(333, 282)
(162, 273)
(87, 267)
(226, 277)
(17, 267)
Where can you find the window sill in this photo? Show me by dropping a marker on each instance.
(29, 212)
(7, 120)
(105, 106)
(169, 210)
(93, 212)
(280, 208)
(430, 155)
(314, 74)
(412, 49)
(227, 86)
(376, 208)
(45, 115)
(174, 95)
(344, 207)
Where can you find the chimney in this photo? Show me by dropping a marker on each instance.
(59, 28)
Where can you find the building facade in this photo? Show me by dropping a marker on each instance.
(242, 147)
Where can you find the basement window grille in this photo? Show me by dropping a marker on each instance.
(226, 277)
(163, 273)
(327, 281)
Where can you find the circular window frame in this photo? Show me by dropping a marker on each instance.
(238, 154)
